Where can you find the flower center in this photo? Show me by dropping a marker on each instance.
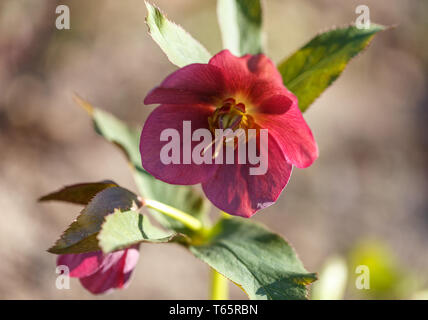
(225, 123)
(230, 115)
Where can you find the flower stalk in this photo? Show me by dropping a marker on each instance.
(219, 286)
(185, 218)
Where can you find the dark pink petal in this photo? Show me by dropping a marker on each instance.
(192, 84)
(254, 77)
(277, 104)
(264, 68)
(233, 190)
(234, 69)
(114, 272)
(82, 264)
(293, 135)
(172, 117)
(262, 90)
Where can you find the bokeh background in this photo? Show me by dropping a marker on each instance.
(365, 198)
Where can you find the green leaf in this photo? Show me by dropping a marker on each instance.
(259, 261)
(314, 67)
(184, 198)
(179, 46)
(80, 193)
(241, 25)
(80, 237)
(118, 133)
(124, 229)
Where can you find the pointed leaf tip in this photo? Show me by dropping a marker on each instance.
(315, 66)
(83, 103)
(81, 193)
(179, 46)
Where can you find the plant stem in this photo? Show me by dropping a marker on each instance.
(219, 286)
(185, 218)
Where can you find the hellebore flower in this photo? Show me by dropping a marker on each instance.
(228, 93)
(101, 273)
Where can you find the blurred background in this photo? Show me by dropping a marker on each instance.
(364, 200)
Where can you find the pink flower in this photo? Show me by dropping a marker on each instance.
(236, 93)
(101, 273)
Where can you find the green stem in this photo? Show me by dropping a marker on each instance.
(219, 286)
(185, 218)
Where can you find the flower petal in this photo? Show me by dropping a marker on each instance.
(277, 104)
(172, 117)
(293, 135)
(263, 67)
(233, 190)
(114, 273)
(253, 76)
(82, 264)
(235, 70)
(193, 84)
